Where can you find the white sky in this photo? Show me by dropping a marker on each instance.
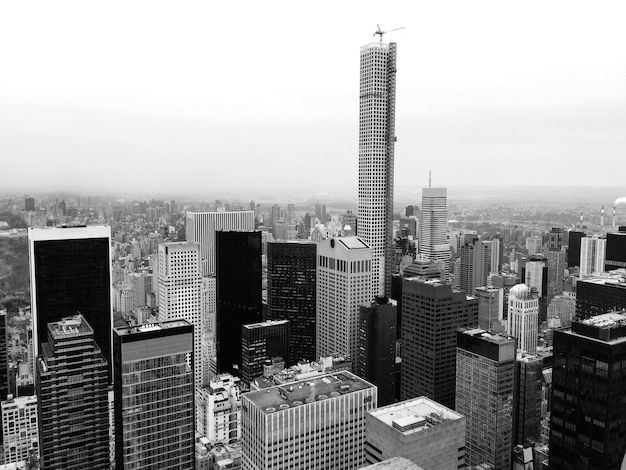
(252, 96)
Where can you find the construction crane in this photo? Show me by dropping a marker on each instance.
(380, 33)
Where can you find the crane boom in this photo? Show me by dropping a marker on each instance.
(380, 32)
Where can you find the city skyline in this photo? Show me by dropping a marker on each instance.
(540, 85)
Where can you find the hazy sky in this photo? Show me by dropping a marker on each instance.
(254, 96)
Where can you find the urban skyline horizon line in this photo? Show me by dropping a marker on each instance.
(593, 193)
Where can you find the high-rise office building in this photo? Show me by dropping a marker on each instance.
(200, 227)
(238, 279)
(556, 270)
(475, 265)
(377, 115)
(344, 270)
(485, 370)
(4, 357)
(534, 245)
(592, 255)
(588, 394)
(523, 318)
(432, 311)
(490, 302)
(598, 295)
(209, 307)
(317, 423)
(290, 222)
(154, 396)
(29, 203)
(260, 342)
(615, 250)
(180, 293)
(556, 239)
(20, 427)
(532, 381)
(497, 254)
(291, 293)
(573, 248)
(73, 406)
(421, 430)
(376, 347)
(433, 227)
(70, 273)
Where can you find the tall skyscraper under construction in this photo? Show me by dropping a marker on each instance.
(377, 109)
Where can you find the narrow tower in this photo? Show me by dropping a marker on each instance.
(377, 109)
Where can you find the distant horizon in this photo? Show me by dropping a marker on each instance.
(592, 194)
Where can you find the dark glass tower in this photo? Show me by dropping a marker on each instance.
(291, 291)
(615, 250)
(238, 283)
(598, 296)
(72, 387)
(260, 342)
(70, 273)
(573, 248)
(432, 311)
(588, 402)
(376, 348)
(154, 396)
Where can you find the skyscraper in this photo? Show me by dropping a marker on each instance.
(485, 371)
(4, 356)
(200, 227)
(260, 342)
(432, 311)
(72, 389)
(377, 110)
(376, 347)
(238, 279)
(180, 293)
(588, 394)
(343, 285)
(70, 273)
(573, 248)
(291, 293)
(615, 250)
(598, 295)
(316, 423)
(490, 307)
(420, 429)
(523, 318)
(433, 227)
(154, 396)
(592, 255)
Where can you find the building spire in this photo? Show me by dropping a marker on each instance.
(429, 178)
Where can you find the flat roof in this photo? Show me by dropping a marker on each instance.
(606, 320)
(488, 335)
(352, 243)
(282, 397)
(415, 415)
(70, 326)
(265, 323)
(146, 327)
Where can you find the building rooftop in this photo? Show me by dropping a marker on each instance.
(265, 323)
(607, 328)
(489, 335)
(70, 326)
(133, 329)
(415, 415)
(306, 391)
(352, 243)
(607, 320)
(396, 463)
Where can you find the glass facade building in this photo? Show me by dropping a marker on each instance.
(291, 291)
(72, 387)
(154, 396)
(70, 273)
